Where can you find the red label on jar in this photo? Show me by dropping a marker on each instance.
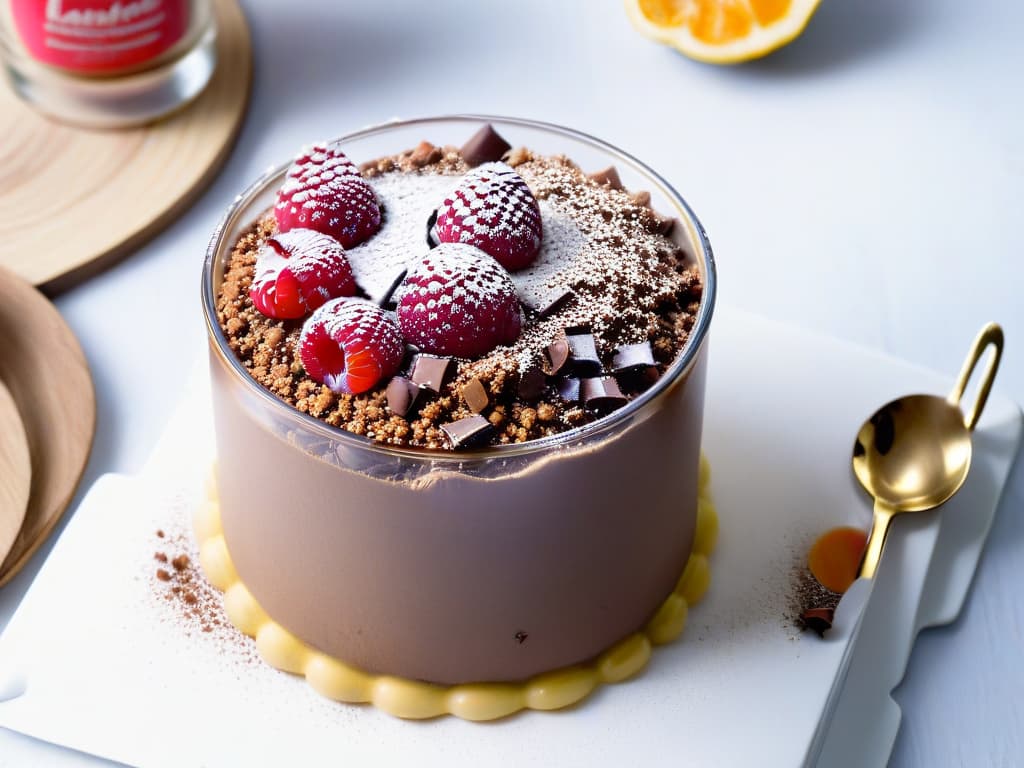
(99, 36)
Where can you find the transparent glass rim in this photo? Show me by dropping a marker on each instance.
(679, 368)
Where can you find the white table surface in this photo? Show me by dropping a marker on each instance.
(866, 182)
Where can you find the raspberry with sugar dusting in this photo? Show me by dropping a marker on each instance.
(458, 301)
(298, 271)
(324, 191)
(493, 209)
(350, 345)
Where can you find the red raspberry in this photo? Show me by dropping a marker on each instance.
(297, 271)
(350, 345)
(458, 301)
(324, 191)
(493, 209)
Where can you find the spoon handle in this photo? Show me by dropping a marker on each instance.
(991, 334)
(876, 540)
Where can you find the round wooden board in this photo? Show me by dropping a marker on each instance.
(46, 373)
(74, 200)
(15, 471)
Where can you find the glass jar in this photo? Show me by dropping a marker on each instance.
(434, 565)
(107, 63)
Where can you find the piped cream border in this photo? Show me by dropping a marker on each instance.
(474, 701)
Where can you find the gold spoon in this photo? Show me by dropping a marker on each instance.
(913, 453)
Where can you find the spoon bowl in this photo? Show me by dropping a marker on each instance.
(914, 453)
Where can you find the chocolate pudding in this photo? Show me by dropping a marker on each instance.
(483, 518)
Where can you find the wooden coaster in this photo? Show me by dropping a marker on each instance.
(73, 201)
(15, 471)
(48, 378)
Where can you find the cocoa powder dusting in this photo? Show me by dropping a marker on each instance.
(197, 606)
(807, 594)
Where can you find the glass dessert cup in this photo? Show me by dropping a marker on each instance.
(485, 565)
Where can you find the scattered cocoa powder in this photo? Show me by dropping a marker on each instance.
(198, 606)
(808, 594)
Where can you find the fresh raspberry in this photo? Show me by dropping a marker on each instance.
(458, 301)
(297, 271)
(493, 209)
(324, 191)
(350, 345)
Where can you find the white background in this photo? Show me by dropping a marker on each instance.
(866, 182)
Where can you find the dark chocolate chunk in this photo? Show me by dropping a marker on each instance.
(432, 239)
(583, 352)
(607, 177)
(664, 225)
(569, 389)
(430, 371)
(470, 431)
(387, 300)
(484, 146)
(636, 380)
(556, 355)
(602, 394)
(632, 356)
(411, 350)
(551, 303)
(475, 395)
(403, 396)
(643, 197)
(818, 619)
(531, 384)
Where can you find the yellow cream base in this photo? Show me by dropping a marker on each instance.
(475, 701)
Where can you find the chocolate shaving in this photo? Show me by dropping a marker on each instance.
(431, 371)
(387, 300)
(664, 225)
(583, 351)
(602, 394)
(818, 619)
(531, 384)
(607, 177)
(634, 366)
(632, 356)
(484, 146)
(475, 395)
(404, 396)
(556, 356)
(432, 239)
(470, 431)
(552, 303)
(638, 379)
(643, 197)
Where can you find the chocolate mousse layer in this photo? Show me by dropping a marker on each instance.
(486, 570)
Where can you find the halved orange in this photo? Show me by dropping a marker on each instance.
(722, 31)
